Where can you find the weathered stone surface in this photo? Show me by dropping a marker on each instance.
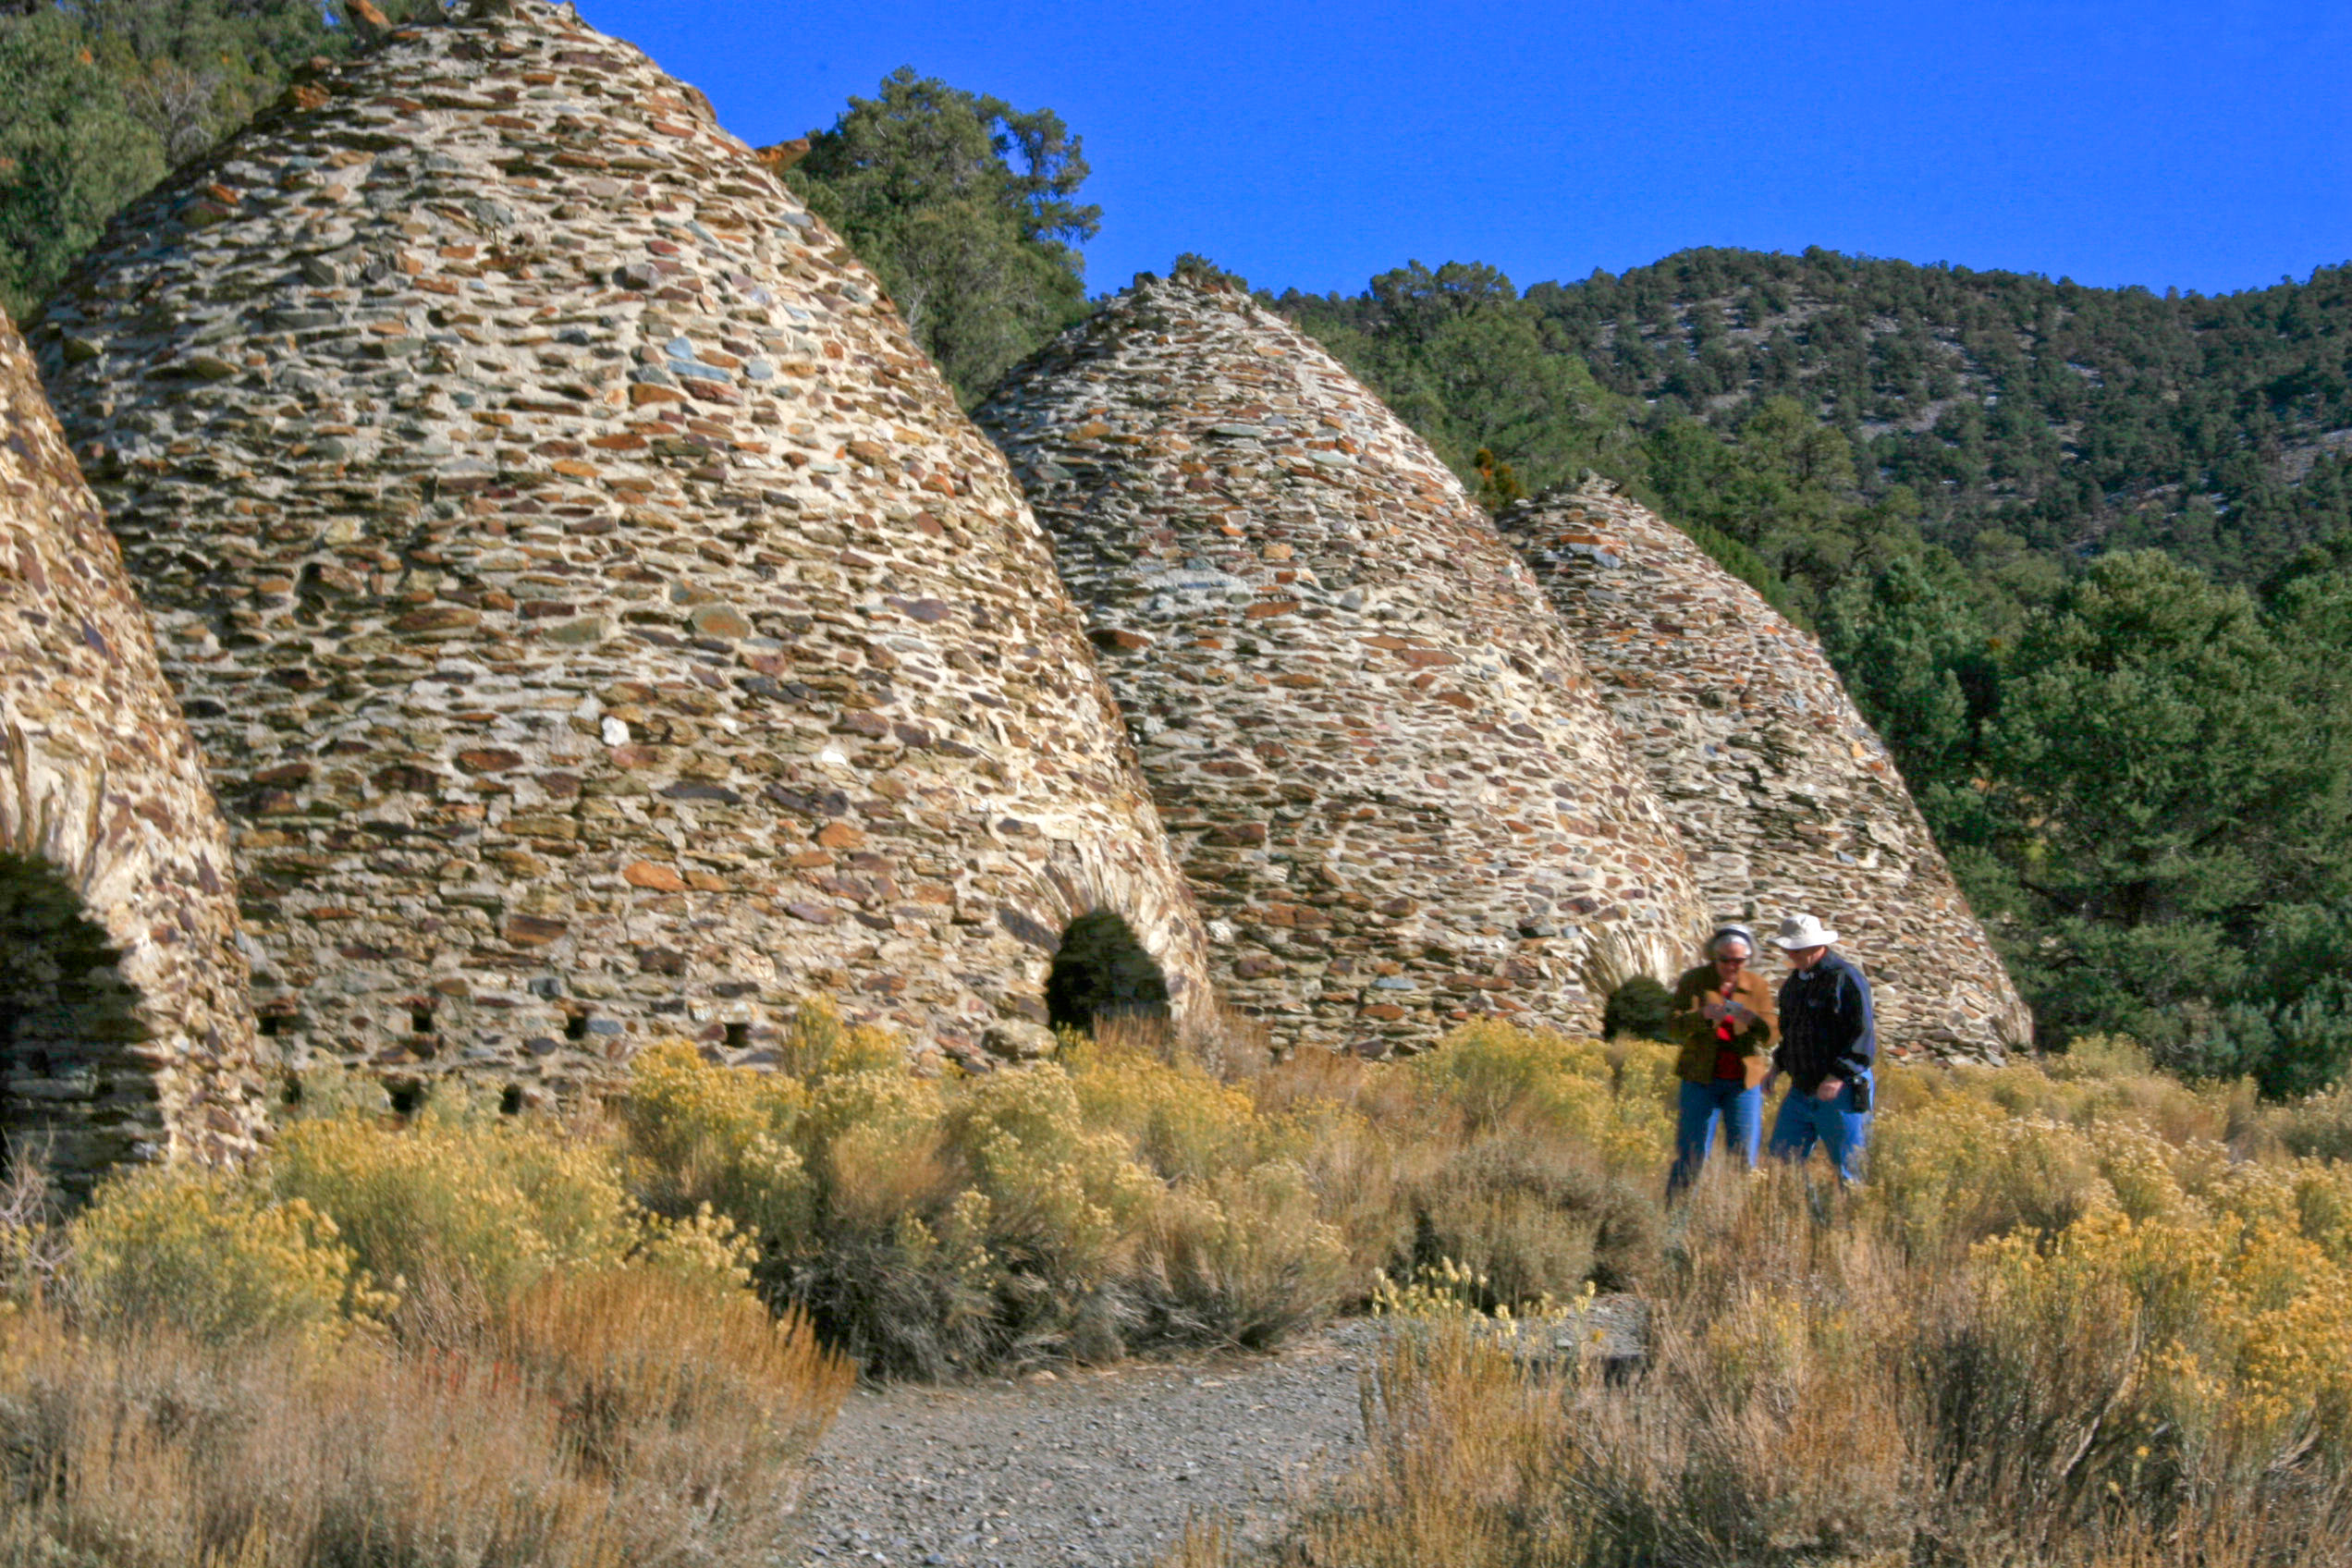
(599, 619)
(1786, 799)
(1399, 800)
(122, 990)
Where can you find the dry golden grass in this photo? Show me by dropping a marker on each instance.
(458, 1342)
(618, 1419)
(2083, 1315)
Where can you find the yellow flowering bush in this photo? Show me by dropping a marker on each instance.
(2318, 1125)
(1087, 1206)
(1492, 1072)
(725, 1140)
(208, 1255)
(704, 1250)
(1246, 1257)
(1179, 1119)
(1612, 1100)
(2079, 1313)
(493, 1205)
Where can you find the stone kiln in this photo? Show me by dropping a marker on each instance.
(124, 1027)
(598, 618)
(1399, 800)
(1786, 797)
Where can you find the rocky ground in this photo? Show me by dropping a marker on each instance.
(1083, 1467)
(1105, 1467)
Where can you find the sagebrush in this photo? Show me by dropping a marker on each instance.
(1124, 1196)
(2086, 1317)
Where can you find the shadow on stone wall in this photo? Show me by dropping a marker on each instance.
(66, 1015)
(1102, 972)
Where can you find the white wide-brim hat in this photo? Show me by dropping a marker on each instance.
(1800, 931)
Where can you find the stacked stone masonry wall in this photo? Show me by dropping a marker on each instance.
(104, 814)
(1399, 800)
(600, 621)
(1786, 799)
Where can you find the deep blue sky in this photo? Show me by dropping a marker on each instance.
(2202, 146)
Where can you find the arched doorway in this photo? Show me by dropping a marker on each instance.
(66, 1015)
(1102, 972)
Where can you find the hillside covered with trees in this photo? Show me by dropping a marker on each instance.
(2219, 429)
(2001, 413)
(99, 99)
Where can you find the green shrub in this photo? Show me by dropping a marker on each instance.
(1534, 1216)
(207, 1255)
(1245, 1257)
(1640, 1008)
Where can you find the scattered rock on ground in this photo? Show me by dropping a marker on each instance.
(1101, 1467)
(1106, 1467)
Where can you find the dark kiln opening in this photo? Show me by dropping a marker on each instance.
(1102, 972)
(65, 1014)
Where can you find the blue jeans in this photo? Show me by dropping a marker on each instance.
(1833, 1123)
(1728, 1100)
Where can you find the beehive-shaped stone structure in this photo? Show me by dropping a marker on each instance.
(1398, 799)
(599, 618)
(124, 1027)
(1786, 799)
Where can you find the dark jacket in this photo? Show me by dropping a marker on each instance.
(1825, 1029)
(1695, 1034)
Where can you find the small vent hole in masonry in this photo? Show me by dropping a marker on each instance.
(277, 1022)
(1102, 972)
(576, 1026)
(420, 1020)
(511, 1100)
(738, 1036)
(405, 1097)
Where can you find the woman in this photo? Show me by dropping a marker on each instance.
(1726, 1021)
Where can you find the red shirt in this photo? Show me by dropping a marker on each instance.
(1728, 1062)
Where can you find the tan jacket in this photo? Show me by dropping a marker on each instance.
(1695, 1034)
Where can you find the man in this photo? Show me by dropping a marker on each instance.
(1723, 1018)
(1828, 1047)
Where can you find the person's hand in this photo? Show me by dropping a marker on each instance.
(1713, 1011)
(1738, 1012)
(1829, 1088)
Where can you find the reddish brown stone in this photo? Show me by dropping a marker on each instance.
(530, 931)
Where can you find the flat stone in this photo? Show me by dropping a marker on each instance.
(149, 1053)
(644, 410)
(1210, 477)
(1784, 796)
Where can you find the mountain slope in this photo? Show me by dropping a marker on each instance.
(2024, 414)
(2219, 429)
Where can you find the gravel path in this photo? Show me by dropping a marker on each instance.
(1101, 1469)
